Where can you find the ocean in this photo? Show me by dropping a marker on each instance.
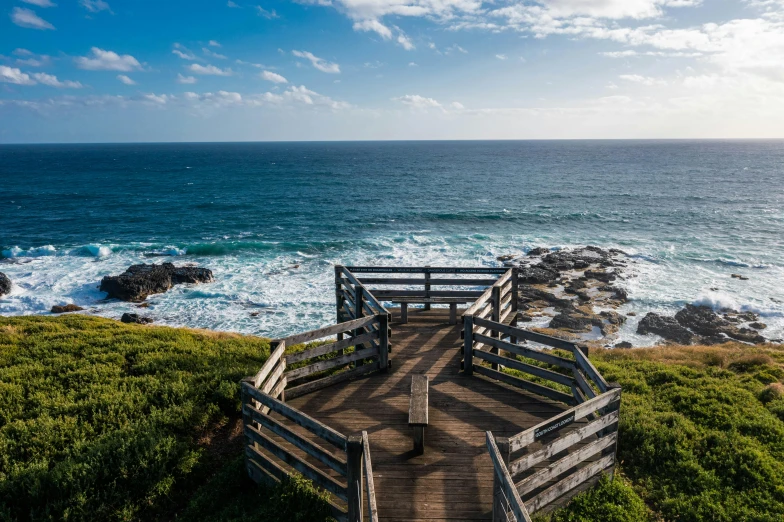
(271, 219)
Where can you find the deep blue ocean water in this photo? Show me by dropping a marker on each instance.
(690, 212)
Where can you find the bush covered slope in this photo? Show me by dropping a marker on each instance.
(701, 435)
(105, 421)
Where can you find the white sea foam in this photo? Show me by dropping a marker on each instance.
(14, 252)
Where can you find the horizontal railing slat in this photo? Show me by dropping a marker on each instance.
(274, 376)
(329, 330)
(320, 366)
(424, 269)
(589, 369)
(308, 387)
(524, 367)
(574, 458)
(311, 448)
(325, 432)
(581, 410)
(583, 383)
(522, 383)
(525, 351)
(319, 477)
(328, 348)
(526, 334)
(569, 483)
(532, 459)
(390, 295)
(481, 302)
(269, 364)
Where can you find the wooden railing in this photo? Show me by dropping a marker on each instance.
(496, 345)
(270, 442)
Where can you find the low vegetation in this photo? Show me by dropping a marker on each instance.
(105, 421)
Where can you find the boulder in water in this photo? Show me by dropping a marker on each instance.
(704, 321)
(135, 319)
(5, 284)
(140, 281)
(62, 309)
(666, 327)
(536, 275)
(538, 251)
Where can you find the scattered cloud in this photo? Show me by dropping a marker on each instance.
(15, 76)
(52, 81)
(269, 15)
(27, 18)
(319, 63)
(107, 61)
(501, 56)
(209, 70)
(214, 43)
(644, 80)
(455, 48)
(457, 106)
(125, 79)
(40, 3)
(273, 77)
(95, 6)
(186, 79)
(212, 54)
(30, 59)
(412, 64)
(232, 4)
(416, 101)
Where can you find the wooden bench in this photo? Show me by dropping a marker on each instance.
(451, 301)
(417, 411)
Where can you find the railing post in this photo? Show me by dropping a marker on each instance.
(427, 286)
(339, 299)
(610, 429)
(468, 345)
(383, 342)
(497, 318)
(358, 313)
(354, 477)
(500, 502)
(515, 294)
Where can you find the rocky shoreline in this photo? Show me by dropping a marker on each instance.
(575, 294)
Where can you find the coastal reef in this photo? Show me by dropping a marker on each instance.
(5, 284)
(140, 281)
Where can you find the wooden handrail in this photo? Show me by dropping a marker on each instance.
(509, 489)
(369, 484)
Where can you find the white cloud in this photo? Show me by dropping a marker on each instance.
(501, 56)
(457, 105)
(418, 102)
(107, 61)
(40, 3)
(319, 63)
(212, 54)
(405, 42)
(95, 6)
(15, 76)
(125, 79)
(52, 81)
(412, 64)
(214, 43)
(644, 80)
(157, 99)
(269, 15)
(185, 79)
(30, 59)
(273, 77)
(209, 70)
(27, 18)
(453, 48)
(375, 26)
(231, 4)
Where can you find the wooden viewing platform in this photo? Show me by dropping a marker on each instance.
(488, 432)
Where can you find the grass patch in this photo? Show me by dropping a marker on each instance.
(701, 435)
(105, 421)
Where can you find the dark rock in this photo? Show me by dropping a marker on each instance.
(575, 320)
(714, 339)
(143, 305)
(618, 252)
(536, 275)
(578, 284)
(748, 316)
(135, 319)
(5, 284)
(738, 276)
(601, 275)
(538, 251)
(66, 308)
(758, 326)
(619, 294)
(707, 323)
(623, 344)
(534, 294)
(139, 281)
(666, 327)
(613, 317)
(575, 259)
(524, 318)
(632, 314)
(553, 284)
(507, 257)
(582, 295)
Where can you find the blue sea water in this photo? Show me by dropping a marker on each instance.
(270, 219)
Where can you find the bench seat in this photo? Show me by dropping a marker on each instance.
(451, 301)
(417, 411)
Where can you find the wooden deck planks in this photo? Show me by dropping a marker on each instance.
(452, 480)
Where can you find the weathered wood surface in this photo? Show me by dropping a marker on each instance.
(453, 480)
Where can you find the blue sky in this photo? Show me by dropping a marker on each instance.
(106, 70)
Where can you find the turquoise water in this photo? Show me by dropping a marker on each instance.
(689, 212)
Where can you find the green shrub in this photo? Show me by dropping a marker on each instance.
(612, 500)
